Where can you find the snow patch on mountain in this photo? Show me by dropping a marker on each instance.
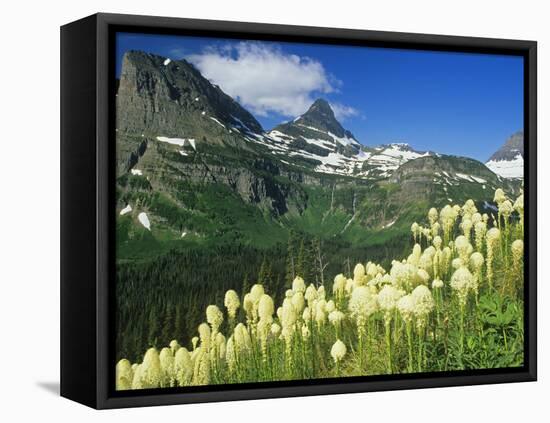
(389, 157)
(126, 210)
(174, 141)
(144, 220)
(217, 121)
(507, 168)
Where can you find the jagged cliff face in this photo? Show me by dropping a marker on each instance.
(198, 165)
(161, 97)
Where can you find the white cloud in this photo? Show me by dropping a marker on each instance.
(343, 112)
(264, 79)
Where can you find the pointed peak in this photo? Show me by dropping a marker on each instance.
(321, 116)
(403, 146)
(510, 149)
(322, 107)
(322, 103)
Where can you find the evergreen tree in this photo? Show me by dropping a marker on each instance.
(301, 261)
(167, 330)
(178, 324)
(290, 270)
(152, 327)
(265, 274)
(246, 285)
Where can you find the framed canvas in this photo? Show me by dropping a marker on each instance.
(256, 211)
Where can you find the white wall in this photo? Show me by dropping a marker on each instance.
(29, 209)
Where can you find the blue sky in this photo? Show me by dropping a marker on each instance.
(454, 103)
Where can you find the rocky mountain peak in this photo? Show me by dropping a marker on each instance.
(163, 97)
(318, 131)
(511, 148)
(507, 161)
(321, 116)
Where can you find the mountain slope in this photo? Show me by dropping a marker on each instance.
(507, 161)
(159, 100)
(172, 98)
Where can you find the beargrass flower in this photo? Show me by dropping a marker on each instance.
(499, 196)
(433, 215)
(469, 208)
(457, 263)
(461, 282)
(505, 209)
(311, 294)
(298, 284)
(359, 275)
(124, 375)
(336, 317)
(423, 304)
(205, 334)
(232, 303)
(517, 249)
(214, 317)
(266, 308)
(338, 351)
(493, 238)
(463, 247)
(167, 367)
(298, 302)
(183, 367)
(387, 300)
(241, 338)
(150, 369)
(174, 346)
(339, 285)
(362, 304)
(480, 230)
(437, 284)
(405, 305)
(275, 329)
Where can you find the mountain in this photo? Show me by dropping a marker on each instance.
(446, 179)
(170, 101)
(196, 168)
(319, 127)
(317, 141)
(171, 98)
(507, 161)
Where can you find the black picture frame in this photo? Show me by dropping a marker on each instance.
(87, 259)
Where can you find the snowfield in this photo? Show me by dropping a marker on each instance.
(217, 121)
(381, 162)
(507, 168)
(144, 220)
(126, 210)
(173, 141)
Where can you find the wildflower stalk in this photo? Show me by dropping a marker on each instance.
(387, 325)
(408, 329)
(461, 351)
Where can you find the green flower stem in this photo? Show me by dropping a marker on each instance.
(387, 325)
